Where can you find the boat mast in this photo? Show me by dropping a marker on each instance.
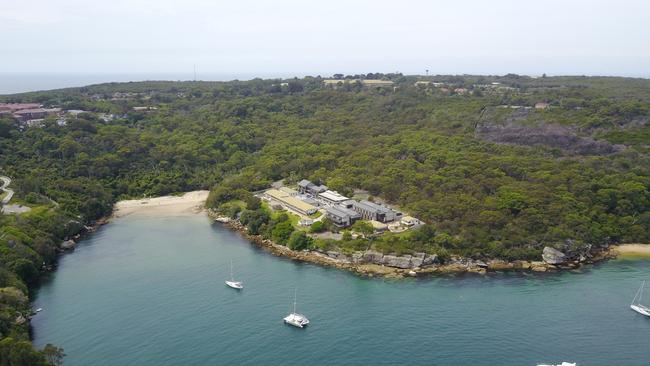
(639, 292)
(295, 293)
(232, 278)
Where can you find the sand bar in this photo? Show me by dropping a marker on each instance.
(188, 203)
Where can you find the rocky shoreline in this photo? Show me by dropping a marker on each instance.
(375, 264)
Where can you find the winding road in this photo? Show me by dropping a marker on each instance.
(10, 193)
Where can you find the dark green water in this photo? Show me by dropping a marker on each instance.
(149, 291)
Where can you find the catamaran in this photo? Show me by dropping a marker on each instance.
(295, 319)
(636, 304)
(232, 283)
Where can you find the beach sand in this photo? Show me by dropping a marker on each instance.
(632, 250)
(188, 203)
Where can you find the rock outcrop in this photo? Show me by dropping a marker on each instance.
(68, 245)
(553, 256)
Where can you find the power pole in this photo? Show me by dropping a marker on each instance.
(194, 72)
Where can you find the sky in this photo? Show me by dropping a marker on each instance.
(302, 37)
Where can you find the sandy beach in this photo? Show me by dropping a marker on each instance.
(632, 250)
(188, 203)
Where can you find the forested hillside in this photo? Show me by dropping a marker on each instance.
(490, 174)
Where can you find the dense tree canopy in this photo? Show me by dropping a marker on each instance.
(489, 174)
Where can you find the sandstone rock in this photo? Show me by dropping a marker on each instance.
(371, 256)
(68, 245)
(357, 257)
(417, 261)
(499, 265)
(403, 262)
(429, 260)
(521, 264)
(553, 256)
(480, 263)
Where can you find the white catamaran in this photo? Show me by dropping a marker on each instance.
(232, 283)
(295, 319)
(636, 302)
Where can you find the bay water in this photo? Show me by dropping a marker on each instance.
(150, 291)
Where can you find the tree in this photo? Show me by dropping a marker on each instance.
(281, 232)
(317, 227)
(299, 241)
(53, 354)
(363, 227)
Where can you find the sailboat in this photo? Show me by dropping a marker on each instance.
(636, 303)
(295, 319)
(232, 283)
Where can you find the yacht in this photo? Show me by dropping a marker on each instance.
(636, 302)
(295, 319)
(232, 283)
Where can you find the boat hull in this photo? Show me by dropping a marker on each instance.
(235, 285)
(640, 309)
(297, 320)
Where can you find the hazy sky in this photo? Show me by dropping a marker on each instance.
(327, 36)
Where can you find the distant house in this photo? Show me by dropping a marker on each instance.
(36, 113)
(372, 211)
(331, 198)
(307, 187)
(341, 216)
(542, 105)
(461, 91)
(13, 107)
(410, 221)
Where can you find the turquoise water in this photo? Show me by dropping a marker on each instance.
(149, 291)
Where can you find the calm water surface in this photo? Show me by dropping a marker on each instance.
(149, 291)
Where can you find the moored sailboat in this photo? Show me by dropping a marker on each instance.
(636, 302)
(295, 319)
(238, 285)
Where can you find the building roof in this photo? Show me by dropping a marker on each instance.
(342, 211)
(38, 110)
(291, 201)
(288, 190)
(373, 207)
(333, 196)
(18, 106)
(304, 183)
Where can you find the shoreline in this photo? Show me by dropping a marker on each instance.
(191, 203)
(454, 266)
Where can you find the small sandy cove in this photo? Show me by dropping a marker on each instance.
(188, 203)
(632, 250)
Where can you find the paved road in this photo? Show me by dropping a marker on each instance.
(10, 193)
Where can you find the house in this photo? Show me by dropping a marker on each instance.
(410, 221)
(307, 187)
(542, 105)
(35, 113)
(372, 211)
(289, 202)
(13, 107)
(341, 216)
(331, 198)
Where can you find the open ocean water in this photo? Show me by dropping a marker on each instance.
(150, 291)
